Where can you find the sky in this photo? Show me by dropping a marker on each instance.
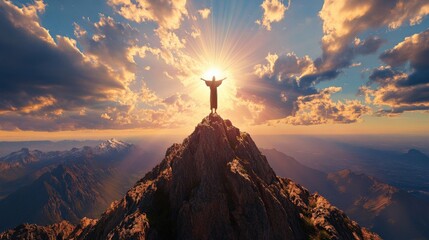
(94, 69)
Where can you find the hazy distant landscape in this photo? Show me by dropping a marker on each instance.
(385, 157)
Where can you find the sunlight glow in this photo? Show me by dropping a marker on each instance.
(213, 71)
(224, 49)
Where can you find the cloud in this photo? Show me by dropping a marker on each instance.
(169, 40)
(277, 85)
(344, 20)
(289, 99)
(51, 85)
(285, 80)
(110, 42)
(320, 109)
(415, 51)
(196, 32)
(113, 44)
(204, 13)
(60, 72)
(274, 11)
(397, 88)
(287, 66)
(168, 14)
(182, 66)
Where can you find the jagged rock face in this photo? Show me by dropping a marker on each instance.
(217, 185)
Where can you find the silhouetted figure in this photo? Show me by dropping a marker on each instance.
(213, 84)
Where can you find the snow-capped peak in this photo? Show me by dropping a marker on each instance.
(113, 144)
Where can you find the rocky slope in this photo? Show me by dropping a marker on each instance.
(389, 211)
(215, 185)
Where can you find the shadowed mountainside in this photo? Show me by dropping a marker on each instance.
(216, 184)
(80, 184)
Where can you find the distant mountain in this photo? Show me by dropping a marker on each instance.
(81, 185)
(407, 170)
(44, 146)
(415, 155)
(22, 167)
(215, 185)
(25, 158)
(19, 158)
(393, 213)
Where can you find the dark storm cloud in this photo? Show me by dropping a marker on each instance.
(37, 71)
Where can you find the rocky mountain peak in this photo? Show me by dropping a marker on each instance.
(216, 184)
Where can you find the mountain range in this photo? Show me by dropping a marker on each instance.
(68, 185)
(215, 184)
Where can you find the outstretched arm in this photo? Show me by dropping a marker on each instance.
(203, 79)
(222, 79)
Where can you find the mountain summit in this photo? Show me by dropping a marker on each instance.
(215, 185)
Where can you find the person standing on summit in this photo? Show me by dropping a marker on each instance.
(213, 84)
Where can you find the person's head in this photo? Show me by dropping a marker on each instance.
(214, 78)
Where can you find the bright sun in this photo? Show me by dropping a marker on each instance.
(213, 71)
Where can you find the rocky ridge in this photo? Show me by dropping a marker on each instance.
(215, 185)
